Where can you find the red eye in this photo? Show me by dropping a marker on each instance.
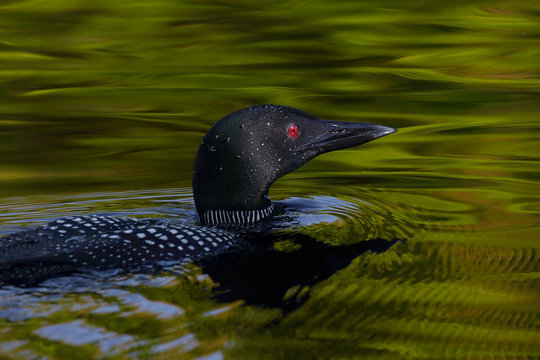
(293, 131)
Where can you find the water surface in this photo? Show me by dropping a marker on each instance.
(103, 106)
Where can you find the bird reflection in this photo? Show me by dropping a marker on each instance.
(259, 274)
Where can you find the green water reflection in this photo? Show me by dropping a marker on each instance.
(113, 98)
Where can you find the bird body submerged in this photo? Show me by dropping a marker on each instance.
(101, 242)
(238, 160)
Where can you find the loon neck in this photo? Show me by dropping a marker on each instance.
(215, 217)
(245, 152)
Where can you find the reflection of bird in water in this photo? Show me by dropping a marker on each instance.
(259, 274)
(238, 160)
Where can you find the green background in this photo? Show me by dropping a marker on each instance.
(103, 105)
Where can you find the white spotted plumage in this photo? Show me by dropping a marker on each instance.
(114, 242)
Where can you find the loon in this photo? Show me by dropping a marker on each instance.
(237, 162)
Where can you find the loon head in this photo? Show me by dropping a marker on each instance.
(246, 151)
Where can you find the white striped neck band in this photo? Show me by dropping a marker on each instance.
(237, 217)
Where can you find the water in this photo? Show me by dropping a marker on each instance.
(102, 108)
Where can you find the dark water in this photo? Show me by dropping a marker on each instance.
(103, 105)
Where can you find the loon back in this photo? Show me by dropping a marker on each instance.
(238, 160)
(101, 242)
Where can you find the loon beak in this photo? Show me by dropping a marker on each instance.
(336, 135)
